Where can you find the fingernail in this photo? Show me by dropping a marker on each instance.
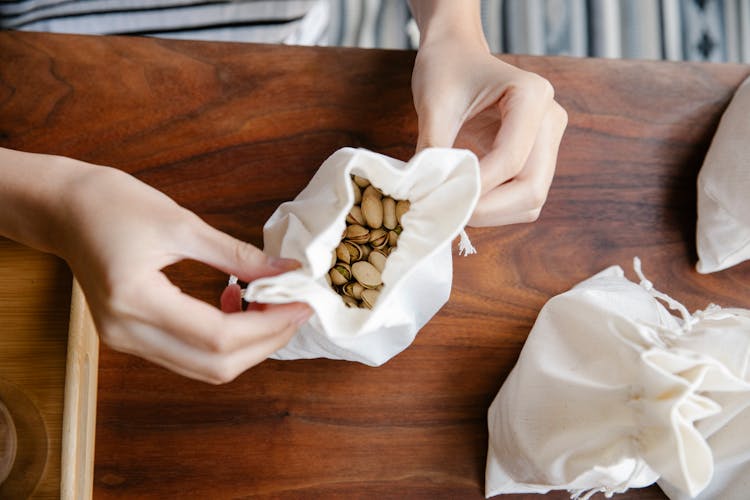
(302, 317)
(231, 299)
(283, 264)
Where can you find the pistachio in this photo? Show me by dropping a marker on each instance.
(402, 206)
(355, 216)
(361, 181)
(378, 238)
(392, 238)
(357, 234)
(366, 274)
(369, 297)
(354, 251)
(373, 226)
(371, 192)
(353, 289)
(389, 213)
(377, 258)
(366, 249)
(341, 274)
(357, 193)
(350, 302)
(372, 211)
(342, 253)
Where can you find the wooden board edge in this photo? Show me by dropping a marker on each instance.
(79, 410)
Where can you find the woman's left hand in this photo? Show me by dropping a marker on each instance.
(465, 97)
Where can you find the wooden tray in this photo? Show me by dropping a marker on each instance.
(48, 374)
(79, 415)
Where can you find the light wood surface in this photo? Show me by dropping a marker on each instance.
(34, 308)
(79, 416)
(231, 131)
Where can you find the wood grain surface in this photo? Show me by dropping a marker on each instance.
(231, 131)
(34, 307)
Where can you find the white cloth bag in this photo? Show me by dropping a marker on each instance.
(611, 391)
(723, 227)
(443, 187)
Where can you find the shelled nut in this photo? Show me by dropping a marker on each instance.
(373, 226)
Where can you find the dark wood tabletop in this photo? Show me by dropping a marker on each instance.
(232, 130)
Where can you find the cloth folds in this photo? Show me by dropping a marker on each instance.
(443, 187)
(723, 227)
(612, 391)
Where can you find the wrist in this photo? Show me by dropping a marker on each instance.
(35, 198)
(449, 21)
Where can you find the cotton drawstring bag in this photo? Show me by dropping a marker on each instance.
(612, 391)
(443, 187)
(723, 227)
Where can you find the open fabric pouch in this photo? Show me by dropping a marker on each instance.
(443, 188)
(612, 391)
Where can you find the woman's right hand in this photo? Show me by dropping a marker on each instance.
(117, 234)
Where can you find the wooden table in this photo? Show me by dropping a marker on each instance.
(231, 131)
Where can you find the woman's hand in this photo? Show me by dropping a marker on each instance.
(117, 233)
(465, 97)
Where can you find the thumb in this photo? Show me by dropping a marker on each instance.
(247, 262)
(438, 127)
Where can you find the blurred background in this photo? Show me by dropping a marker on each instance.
(695, 30)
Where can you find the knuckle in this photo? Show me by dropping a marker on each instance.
(537, 195)
(222, 372)
(219, 343)
(559, 114)
(536, 87)
(245, 253)
(532, 215)
(481, 217)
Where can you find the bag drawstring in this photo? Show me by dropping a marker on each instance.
(673, 304)
(584, 494)
(464, 245)
(609, 492)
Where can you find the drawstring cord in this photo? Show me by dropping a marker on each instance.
(586, 494)
(464, 245)
(688, 318)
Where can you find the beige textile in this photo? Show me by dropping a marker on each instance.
(723, 231)
(612, 391)
(443, 187)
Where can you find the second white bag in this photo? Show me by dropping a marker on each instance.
(443, 187)
(612, 391)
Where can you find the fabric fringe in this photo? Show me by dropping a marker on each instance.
(464, 245)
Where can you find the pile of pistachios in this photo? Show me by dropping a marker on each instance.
(373, 226)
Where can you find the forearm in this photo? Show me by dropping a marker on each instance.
(33, 197)
(448, 19)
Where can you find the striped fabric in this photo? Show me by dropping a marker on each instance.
(704, 30)
(290, 21)
(696, 30)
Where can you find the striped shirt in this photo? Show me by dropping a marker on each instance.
(302, 22)
(704, 30)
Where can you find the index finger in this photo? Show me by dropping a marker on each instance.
(522, 107)
(166, 308)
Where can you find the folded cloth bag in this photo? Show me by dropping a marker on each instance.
(723, 229)
(443, 188)
(724, 334)
(612, 391)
